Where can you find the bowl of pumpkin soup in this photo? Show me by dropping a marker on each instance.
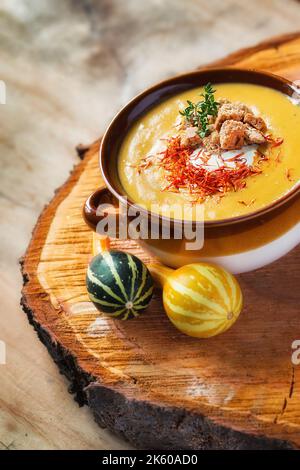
(218, 149)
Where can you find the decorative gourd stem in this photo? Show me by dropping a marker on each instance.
(101, 243)
(160, 273)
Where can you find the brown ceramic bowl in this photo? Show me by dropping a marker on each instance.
(238, 243)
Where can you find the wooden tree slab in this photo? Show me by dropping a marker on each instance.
(143, 379)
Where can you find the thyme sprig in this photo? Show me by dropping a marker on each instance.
(198, 114)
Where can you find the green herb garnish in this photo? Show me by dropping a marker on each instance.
(198, 114)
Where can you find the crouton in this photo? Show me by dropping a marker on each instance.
(242, 106)
(215, 138)
(255, 121)
(222, 101)
(253, 136)
(190, 137)
(230, 111)
(232, 135)
(212, 141)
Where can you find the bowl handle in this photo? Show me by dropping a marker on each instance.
(89, 212)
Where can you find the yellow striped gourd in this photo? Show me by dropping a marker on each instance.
(200, 299)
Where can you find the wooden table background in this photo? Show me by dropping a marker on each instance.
(68, 67)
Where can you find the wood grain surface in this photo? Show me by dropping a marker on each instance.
(145, 381)
(68, 67)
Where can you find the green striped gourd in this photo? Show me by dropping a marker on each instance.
(119, 284)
